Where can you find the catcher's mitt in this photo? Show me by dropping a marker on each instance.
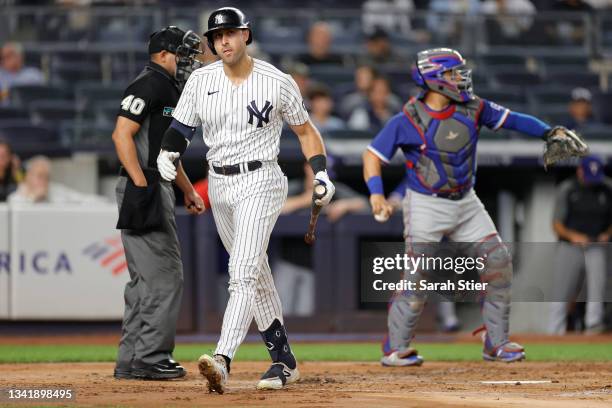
(562, 143)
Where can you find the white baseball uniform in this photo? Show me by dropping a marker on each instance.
(240, 124)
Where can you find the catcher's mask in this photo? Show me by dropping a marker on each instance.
(428, 73)
(186, 54)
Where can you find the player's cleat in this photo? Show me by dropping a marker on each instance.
(394, 358)
(215, 372)
(162, 370)
(506, 352)
(277, 376)
(405, 358)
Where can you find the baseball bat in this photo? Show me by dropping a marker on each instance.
(319, 191)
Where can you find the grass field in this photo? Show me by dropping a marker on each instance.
(306, 352)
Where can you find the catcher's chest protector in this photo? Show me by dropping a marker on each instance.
(447, 162)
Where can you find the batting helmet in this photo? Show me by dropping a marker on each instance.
(428, 73)
(226, 17)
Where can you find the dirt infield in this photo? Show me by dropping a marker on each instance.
(436, 384)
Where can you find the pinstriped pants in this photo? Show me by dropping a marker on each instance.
(245, 207)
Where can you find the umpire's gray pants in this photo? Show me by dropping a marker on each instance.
(153, 294)
(569, 261)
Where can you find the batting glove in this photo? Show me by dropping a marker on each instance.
(165, 164)
(322, 178)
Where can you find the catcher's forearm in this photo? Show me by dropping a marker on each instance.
(526, 124)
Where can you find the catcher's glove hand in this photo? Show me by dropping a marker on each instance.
(562, 143)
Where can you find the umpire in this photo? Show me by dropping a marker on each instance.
(583, 224)
(146, 216)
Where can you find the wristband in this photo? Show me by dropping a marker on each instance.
(375, 185)
(318, 163)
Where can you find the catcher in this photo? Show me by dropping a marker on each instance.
(437, 133)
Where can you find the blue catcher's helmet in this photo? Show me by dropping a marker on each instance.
(428, 73)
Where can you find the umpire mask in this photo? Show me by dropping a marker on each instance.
(186, 54)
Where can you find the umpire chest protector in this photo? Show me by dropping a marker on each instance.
(446, 164)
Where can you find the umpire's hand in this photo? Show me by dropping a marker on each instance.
(194, 203)
(165, 164)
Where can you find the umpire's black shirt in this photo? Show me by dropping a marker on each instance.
(150, 100)
(584, 208)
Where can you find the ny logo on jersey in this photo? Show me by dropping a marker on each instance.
(262, 116)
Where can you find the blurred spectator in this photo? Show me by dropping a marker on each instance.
(38, 188)
(580, 109)
(13, 72)
(445, 18)
(321, 108)
(510, 19)
(345, 200)
(572, 31)
(300, 74)
(392, 15)
(10, 170)
(374, 114)
(319, 46)
(583, 215)
(364, 76)
(379, 50)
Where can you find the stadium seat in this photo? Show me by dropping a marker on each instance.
(596, 132)
(516, 78)
(52, 111)
(350, 134)
(331, 74)
(9, 112)
(574, 78)
(91, 93)
(602, 103)
(23, 95)
(506, 96)
(28, 139)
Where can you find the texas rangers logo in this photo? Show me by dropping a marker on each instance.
(262, 116)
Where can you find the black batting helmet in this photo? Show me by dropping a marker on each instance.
(226, 17)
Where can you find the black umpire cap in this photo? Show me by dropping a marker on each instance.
(168, 39)
(226, 17)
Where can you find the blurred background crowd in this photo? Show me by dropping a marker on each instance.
(65, 63)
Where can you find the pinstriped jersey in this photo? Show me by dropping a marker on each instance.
(241, 123)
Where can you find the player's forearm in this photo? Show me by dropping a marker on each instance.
(311, 141)
(526, 124)
(126, 151)
(182, 181)
(372, 173)
(371, 165)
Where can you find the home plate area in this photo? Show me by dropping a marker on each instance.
(343, 384)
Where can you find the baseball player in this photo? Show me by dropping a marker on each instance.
(241, 103)
(437, 133)
(146, 216)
